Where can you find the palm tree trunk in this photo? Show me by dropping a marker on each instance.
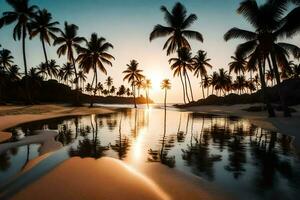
(183, 89)
(202, 90)
(76, 77)
(165, 101)
(45, 53)
(264, 89)
(281, 93)
(207, 92)
(91, 98)
(191, 90)
(25, 66)
(186, 89)
(133, 88)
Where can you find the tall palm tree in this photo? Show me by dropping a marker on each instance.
(109, 82)
(94, 56)
(6, 59)
(270, 24)
(200, 63)
(181, 65)
(69, 42)
(21, 14)
(147, 85)
(43, 27)
(166, 85)
(133, 74)
(177, 28)
(237, 65)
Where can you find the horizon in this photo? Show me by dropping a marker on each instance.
(129, 25)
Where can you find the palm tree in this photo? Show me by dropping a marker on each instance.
(14, 74)
(50, 69)
(181, 65)
(6, 59)
(128, 92)
(112, 90)
(100, 88)
(43, 26)
(200, 63)
(122, 90)
(177, 28)
(147, 85)
(67, 71)
(94, 56)
(240, 83)
(223, 80)
(21, 14)
(133, 74)
(166, 85)
(139, 84)
(270, 24)
(82, 78)
(109, 82)
(270, 77)
(69, 42)
(205, 83)
(237, 65)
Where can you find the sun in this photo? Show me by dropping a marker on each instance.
(156, 80)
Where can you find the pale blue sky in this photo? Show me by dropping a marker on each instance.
(127, 25)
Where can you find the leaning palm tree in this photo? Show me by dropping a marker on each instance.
(94, 56)
(133, 74)
(6, 59)
(21, 14)
(270, 24)
(43, 27)
(200, 62)
(69, 42)
(166, 85)
(177, 28)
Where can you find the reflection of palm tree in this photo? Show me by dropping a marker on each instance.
(162, 154)
(89, 147)
(122, 144)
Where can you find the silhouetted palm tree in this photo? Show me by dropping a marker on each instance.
(21, 14)
(67, 71)
(14, 74)
(205, 83)
(94, 56)
(181, 65)
(139, 85)
(240, 83)
(165, 85)
(122, 90)
(43, 26)
(270, 24)
(69, 42)
(81, 78)
(109, 82)
(223, 80)
(50, 69)
(177, 28)
(6, 59)
(237, 65)
(200, 63)
(133, 74)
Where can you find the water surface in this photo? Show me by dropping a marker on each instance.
(229, 152)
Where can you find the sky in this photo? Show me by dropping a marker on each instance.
(127, 25)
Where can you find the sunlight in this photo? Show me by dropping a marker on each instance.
(156, 79)
(138, 146)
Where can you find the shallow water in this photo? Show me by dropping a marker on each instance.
(245, 160)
